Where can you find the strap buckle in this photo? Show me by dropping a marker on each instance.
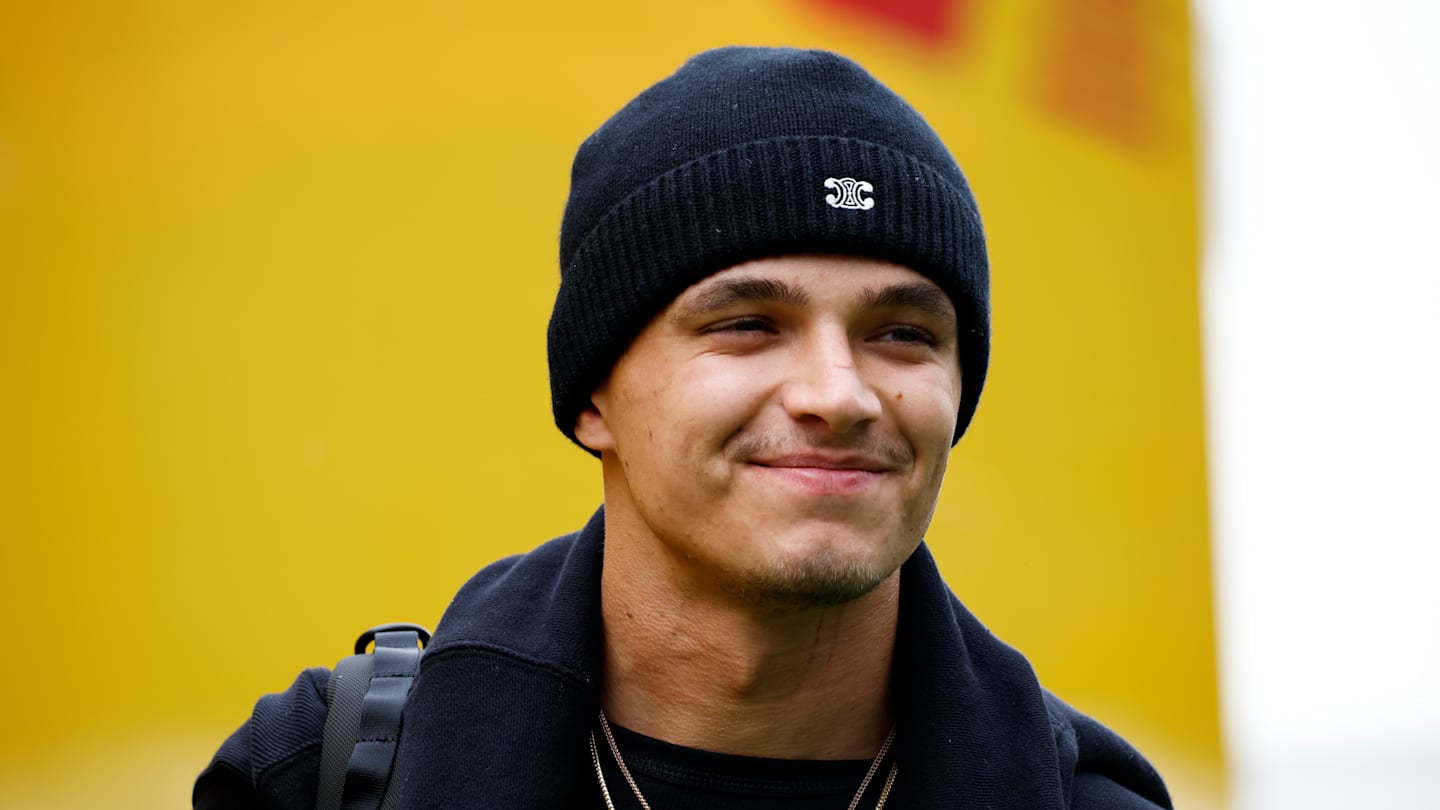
(363, 643)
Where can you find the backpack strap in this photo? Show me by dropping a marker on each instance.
(366, 698)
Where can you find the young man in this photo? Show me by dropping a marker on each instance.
(772, 326)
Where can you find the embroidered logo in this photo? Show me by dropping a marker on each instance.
(847, 193)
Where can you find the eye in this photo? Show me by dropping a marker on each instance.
(748, 323)
(906, 334)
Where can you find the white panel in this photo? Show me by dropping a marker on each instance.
(1322, 297)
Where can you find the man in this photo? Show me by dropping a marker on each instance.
(772, 326)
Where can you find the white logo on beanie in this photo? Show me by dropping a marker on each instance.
(849, 190)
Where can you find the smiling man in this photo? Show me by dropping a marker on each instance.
(772, 326)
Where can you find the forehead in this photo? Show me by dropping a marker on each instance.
(806, 280)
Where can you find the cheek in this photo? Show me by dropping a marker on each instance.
(680, 413)
(926, 408)
(721, 395)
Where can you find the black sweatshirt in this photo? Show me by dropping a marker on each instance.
(501, 711)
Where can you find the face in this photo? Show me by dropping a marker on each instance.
(781, 430)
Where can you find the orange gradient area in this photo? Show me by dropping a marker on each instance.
(273, 290)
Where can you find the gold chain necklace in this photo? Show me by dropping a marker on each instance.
(619, 760)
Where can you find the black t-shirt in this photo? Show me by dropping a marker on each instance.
(673, 777)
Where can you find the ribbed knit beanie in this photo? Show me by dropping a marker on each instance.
(748, 153)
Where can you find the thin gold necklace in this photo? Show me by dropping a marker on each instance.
(624, 771)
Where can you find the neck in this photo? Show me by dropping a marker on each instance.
(708, 671)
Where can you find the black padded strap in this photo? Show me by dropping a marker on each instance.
(343, 698)
(365, 701)
(396, 660)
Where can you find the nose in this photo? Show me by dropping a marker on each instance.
(827, 386)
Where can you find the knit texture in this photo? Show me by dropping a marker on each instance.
(727, 161)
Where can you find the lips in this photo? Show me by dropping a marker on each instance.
(826, 461)
(822, 474)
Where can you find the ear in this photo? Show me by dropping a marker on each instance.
(593, 431)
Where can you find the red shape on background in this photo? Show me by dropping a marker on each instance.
(935, 22)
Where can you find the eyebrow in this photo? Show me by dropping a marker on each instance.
(719, 295)
(916, 295)
(727, 292)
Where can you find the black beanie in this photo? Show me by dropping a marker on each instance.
(748, 153)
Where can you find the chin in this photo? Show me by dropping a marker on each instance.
(819, 579)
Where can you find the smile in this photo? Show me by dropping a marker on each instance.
(823, 475)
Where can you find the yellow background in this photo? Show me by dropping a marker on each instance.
(273, 288)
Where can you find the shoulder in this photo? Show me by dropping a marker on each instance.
(541, 608)
(979, 705)
(273, 759)
(1101, 769)
(537, 608)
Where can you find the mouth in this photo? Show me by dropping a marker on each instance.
(823, 474)
(831, 462)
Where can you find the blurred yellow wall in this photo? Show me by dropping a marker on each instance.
(273, 286)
